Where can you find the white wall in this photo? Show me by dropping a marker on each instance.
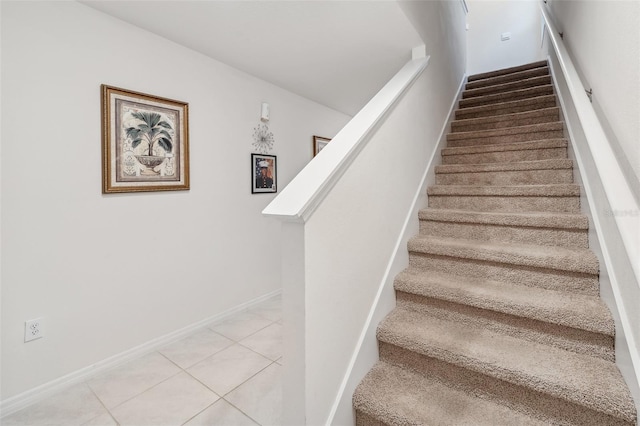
(1, 209)
(609, 201)
(349, 286)
(604, 42)
(618, 285)
(441, 25)
(109, 272)
(488, 20)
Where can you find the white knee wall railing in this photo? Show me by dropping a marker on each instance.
(341, 217)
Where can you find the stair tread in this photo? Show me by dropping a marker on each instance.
(527, 93)
(518, 75)
(509, 70)
(553, 164)
(525, 219)
(542, 100)
(398, 396)
(506, 131)
(507, 86)
(578, 311)
(537, 256)
(581, 379)
(506, 117)
(516, 146)
(547, 190)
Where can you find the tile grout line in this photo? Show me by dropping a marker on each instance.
(248, 335)
(201, 411)
(145, 390)
(238, 408)
(243, 413)
(233, 342)
(221, 397)
(183, 370)
(101, 403)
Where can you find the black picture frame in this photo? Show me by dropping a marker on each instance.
(264, 174)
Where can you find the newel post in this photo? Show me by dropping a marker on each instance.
(294, 323)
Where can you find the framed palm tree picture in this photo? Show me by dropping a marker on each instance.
(145, 142)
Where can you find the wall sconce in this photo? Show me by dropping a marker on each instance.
(264, 112)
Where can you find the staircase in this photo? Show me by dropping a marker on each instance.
(498, 318)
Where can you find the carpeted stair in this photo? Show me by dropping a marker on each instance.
(498, 318)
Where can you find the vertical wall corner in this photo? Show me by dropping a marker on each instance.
(419, 52)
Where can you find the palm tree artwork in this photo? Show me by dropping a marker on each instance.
(150, 128)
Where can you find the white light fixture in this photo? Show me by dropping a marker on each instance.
(264, 114)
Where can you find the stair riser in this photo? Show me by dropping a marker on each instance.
(516, 177)
(514, 204)
(513, 131)
(507, 87)
(508, 108)
(516, 138)
(540, 405)
(537, 72)
(530, 276)
(506, 156)
(514, 324)
(498, 233)
(363, 419)
(506, 97)
(492, 124)
(508, 71)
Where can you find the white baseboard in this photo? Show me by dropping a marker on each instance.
(20, 401)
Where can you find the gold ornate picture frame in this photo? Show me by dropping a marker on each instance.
(145, 142)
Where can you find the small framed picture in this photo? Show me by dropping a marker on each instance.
(319, 143)
(264, 173)
(145, 142)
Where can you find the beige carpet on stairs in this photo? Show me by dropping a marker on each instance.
(498, 318)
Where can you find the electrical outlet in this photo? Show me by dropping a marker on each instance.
(33, 329)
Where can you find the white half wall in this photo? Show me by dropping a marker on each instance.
(111, 272)
(441, 25)
(488, 20)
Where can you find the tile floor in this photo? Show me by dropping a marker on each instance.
(226, 374)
